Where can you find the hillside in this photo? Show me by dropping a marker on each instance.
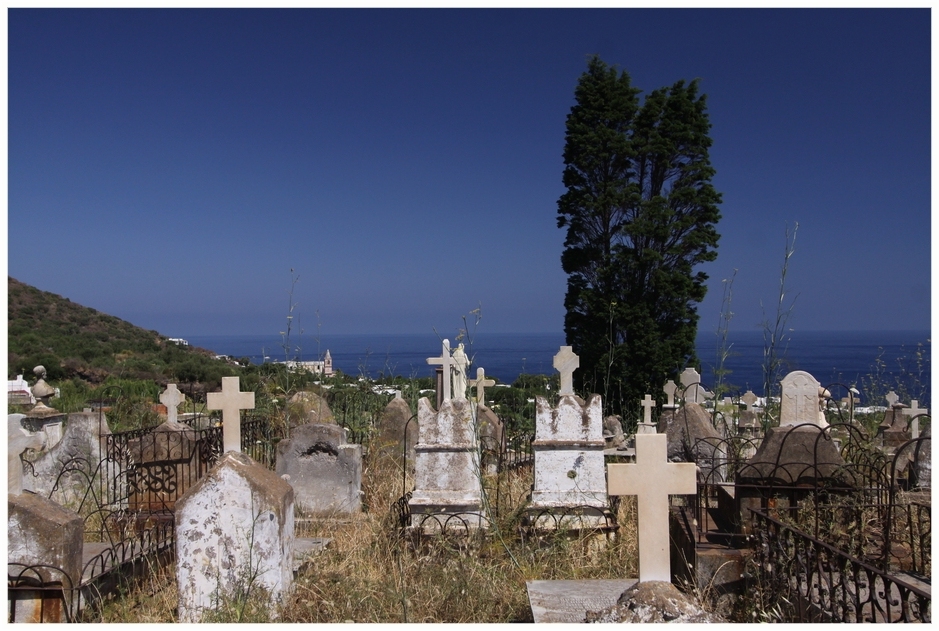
(71, 341)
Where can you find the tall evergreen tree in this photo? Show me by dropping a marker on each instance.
(640, 213)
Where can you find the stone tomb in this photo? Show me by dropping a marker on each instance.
(447, 478)
(234, 527)
(42, 533)
(395, 436)
(323, 468)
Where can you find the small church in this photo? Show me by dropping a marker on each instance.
(323, 368)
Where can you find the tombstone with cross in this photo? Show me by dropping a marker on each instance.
(481, 383)
(914, 412)
(653, 479)
(691, 381)
(646, 426)
(231, 401)
(799, 400)
(566, 362)
(171, 398)
(445, 361)
(670, 389)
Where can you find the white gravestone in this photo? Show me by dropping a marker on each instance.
(749, 399)
(670, 389)
(566, 362)
(892, 398)
(799, 399)
(446, 362)
(171, 398)
(913, 412)
(691, 381)
(460, 363)
(646, 426)
(568, 454)
(652, 478)
(231, 401)
(481, 383)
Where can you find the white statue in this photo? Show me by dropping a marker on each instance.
(460, 364)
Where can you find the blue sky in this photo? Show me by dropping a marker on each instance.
(170, 167)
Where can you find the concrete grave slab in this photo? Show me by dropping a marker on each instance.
(568, 601)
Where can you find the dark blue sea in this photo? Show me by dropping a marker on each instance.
(848, 357)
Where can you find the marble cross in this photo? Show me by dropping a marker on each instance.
(913, 412)
(670, 389)
(749, 398)
(446, 361)
(231, 401)
(481, 383)
(653, 479)
(647, 404)
(566, 362)
(691, 380)
(171, 398)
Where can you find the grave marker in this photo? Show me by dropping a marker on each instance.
(892, 398)
(914, 411)
(171, 398)
(481, 383)
(694, 391)
(231, 401)
(652, 478)
(566, 362)
(670, 389)
(445, 361)
(750, 399)
(646, 426)
(800, 394)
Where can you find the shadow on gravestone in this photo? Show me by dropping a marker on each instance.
(85, 438)
(324, 470)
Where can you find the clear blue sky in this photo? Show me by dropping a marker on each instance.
(170, 167)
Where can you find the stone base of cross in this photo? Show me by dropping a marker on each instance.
(652, 478)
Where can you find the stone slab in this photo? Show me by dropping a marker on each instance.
(305, 547)
(569, 601)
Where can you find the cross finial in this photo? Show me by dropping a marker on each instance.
(647, 404)
(231, 401)
(653, 479)
(446, 361)
(481, 383)
(566, 362)
(171, 398)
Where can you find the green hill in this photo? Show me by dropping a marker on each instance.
(72, 341)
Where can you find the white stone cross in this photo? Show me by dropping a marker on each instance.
(460, 363)
(481, 383)
(231, 401)
(691, 380)
(566, 362)
(647, 404)
(171, 398)
(749, 398)
(914, 411)
(892, 398)
(653, 479)
(446, 361)
(669, 389)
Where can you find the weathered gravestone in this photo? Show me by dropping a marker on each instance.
(395, 436)
(650, 602)
(915, 414)
(694, 392)
(613, 434)
(692, 438)
(231, 401)
(234, 529)
(652, 478)
(84, 443)
(568, 601)
(42, 533)
(490, 430)
(922, 460)
(447, 479)
(799, 400)
(19, 440)
(311, 407)
(323, 468)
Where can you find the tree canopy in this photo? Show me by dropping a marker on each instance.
(640, 213)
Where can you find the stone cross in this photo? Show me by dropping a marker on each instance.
(691, 380)
(171, 398)
(799, 400)
(892, 398)
(749, 398)
(460, 364)
(653, 479)
(913, 411)
(231, 401)
(566, 362)
(670, 388)
(481, 383)
(647, 405)
(446, 362)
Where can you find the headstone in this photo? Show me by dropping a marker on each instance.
(613, 432)
(445, 361)
(85, 438)
(446, 478)
(231, 401)
(568, 601)
(164, 464)
(392, 441)
(749, 399)
(670, 389)
(566, 362)
(691, 437)
(42, 533)
(646, 426)
(234, 528)
(18, 441)
(312, 408)
(323, 468)
(491, 430)
(460, 364)
(691, 381)
(799, 400)
(892, 398)
(568, 454)
(481, 383)
(922, 460)
(914, 412)
(652, 478)
(171, 398)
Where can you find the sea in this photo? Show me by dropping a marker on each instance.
(846, 357)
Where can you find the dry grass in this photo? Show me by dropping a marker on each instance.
(368, 573)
